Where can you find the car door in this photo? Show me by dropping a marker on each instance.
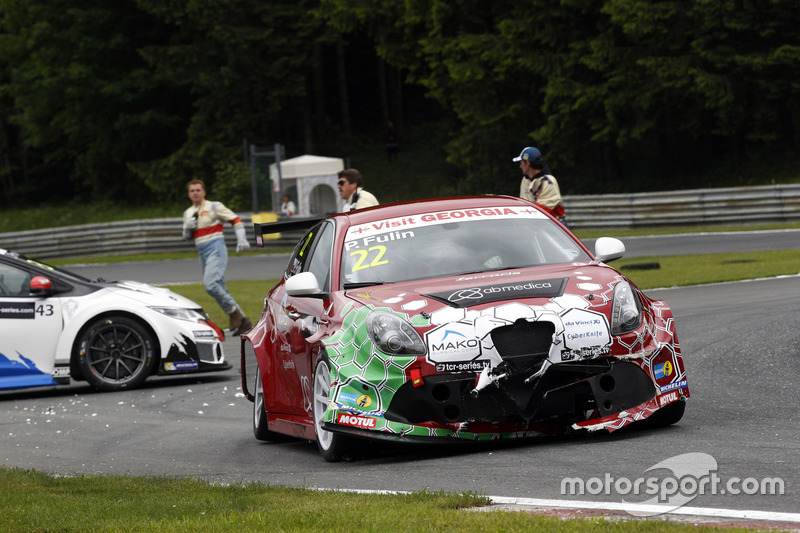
(306, 313)
(29, 330)
(286, 393)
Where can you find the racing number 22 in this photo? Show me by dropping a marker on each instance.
(362, 256)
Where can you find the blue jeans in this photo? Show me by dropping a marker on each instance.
(214, 258)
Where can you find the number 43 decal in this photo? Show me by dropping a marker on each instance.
(362, 256)
(44, 310)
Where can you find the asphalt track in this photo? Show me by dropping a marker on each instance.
(742, 347)
(271, 266)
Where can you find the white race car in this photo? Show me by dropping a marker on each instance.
(56, 325)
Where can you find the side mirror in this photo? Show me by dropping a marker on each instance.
(304, 284)
(41, 286)
(607, 249)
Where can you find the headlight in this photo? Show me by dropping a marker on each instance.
(393, 335)
(625, 312)
(180, 313)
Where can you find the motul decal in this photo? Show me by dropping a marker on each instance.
(670, 397)
(364, 422)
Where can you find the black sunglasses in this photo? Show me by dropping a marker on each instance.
(340, 183)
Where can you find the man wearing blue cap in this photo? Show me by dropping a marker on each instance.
(538, 185)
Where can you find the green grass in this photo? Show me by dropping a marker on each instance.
(674, 271)
(592, 233)
(710, 268)
(581, 233)
(155, 256)
(248, 293)
(34, 501)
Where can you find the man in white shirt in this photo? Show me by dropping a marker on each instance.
(203, 223)
(351, 191)
(538, 185)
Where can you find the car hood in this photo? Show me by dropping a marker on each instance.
(566, 307)
(532, 285)
(150, 295)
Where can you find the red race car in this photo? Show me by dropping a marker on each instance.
(456, 319)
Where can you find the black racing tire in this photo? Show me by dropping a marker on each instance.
(668, 415)
(115, 352)
(332, 446)
(260, 424)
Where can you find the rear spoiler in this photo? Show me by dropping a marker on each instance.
(268, 230)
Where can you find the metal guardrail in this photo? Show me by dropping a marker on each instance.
(120, 238)
(769, 203)
(697, 206)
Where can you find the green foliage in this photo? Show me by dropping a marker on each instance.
(243, 63)
(127, 100)
(80, 93)
(620, 94)
(75, 213)
(231, 184)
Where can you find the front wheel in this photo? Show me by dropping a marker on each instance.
(332, 446)
(668, 415)
(115, 353)
(260, 424)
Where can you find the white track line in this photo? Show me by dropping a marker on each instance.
(781, 276)
(710, 512)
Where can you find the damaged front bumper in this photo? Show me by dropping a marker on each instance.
(568, 392)
(603, 393)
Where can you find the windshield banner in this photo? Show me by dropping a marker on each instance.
(361, 231)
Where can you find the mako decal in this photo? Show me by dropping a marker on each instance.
(541, 288)
(23, 310)
(454, 347)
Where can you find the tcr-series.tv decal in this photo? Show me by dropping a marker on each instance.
(23, 310)
(538, 288)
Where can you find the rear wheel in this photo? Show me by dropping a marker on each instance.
(668, 415)
(332, 446)
(115, 353)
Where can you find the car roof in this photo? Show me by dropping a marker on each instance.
(10, 254)
(399, 209)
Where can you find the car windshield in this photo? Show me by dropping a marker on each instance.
(50, 268)
(454, 242)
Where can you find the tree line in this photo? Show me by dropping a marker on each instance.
(126, 100)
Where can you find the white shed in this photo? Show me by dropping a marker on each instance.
(310, 181)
